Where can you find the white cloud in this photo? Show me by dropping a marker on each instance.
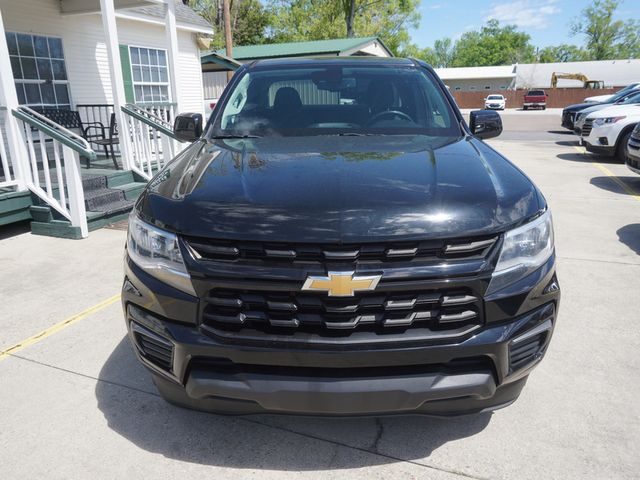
(524, 13)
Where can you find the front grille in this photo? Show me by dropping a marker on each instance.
(431, 313)
(153, 347)
(568, 118)
(227, 251)
(634, 140)
(586, 127)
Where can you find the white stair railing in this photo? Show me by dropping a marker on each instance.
(53, 166)
(152, 140)
(8, 177)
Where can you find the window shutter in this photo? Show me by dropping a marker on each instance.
(126, 74)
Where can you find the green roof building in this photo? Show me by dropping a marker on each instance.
(216, 63)
(343, 47)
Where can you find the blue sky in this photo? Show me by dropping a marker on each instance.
(547, 21)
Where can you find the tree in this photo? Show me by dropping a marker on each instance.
(606, 38)
(493, 45)
(444, 52)
(249, 20)
(561, 53)
(298, 20)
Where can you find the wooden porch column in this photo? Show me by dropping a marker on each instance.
(172, 50)
(9, 99)
(117, 83)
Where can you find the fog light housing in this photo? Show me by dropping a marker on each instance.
(603, 141)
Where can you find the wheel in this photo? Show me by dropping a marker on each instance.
(621, 151)
(525, 108)
(544, 108)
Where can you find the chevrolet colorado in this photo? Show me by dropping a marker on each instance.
(337, 240)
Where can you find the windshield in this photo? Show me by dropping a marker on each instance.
(336, 100)
(617, 97)
(535, 92)
(494, 97)
(634, 98)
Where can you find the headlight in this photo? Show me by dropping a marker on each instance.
(524, 250)
(605, 121)
(157, 252)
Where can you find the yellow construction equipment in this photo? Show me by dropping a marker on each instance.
(586, 83)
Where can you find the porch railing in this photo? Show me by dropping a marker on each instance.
(53, 165)
(152, 139)
(163, 110)
(8, 174)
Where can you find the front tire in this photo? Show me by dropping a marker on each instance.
(621, 151)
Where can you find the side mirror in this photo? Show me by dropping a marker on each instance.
(187, 127)
(485, 123)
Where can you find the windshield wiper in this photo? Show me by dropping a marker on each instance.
(216, 137)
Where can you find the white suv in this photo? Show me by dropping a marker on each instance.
(495, 102)
(607, 131)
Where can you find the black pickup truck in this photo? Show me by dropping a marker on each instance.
(338, 241)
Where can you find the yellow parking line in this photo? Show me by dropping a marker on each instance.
(58, 326)
(613, 177)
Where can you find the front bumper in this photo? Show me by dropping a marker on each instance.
(482, 372)
(601, 140)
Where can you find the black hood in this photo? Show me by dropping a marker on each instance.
(580, 106)
(339, 189)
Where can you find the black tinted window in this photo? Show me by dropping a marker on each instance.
(335, 99)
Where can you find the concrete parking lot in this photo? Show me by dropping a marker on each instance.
(75, 402)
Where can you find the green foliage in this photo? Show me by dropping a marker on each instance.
(249, 21)
(562, 53)
(606, 38)
(299, 20)
(274, 21)
(493, 45)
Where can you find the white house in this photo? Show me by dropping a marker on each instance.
(134, 61)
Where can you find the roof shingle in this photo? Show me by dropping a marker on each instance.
(184, 14)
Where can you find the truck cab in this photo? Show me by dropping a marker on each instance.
(535, 99)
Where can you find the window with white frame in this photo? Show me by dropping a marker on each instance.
(150, 74)
(39, 70)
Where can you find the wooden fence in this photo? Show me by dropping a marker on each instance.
(558, 97)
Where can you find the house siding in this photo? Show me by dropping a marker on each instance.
(85, 51)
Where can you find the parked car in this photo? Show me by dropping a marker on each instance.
(570, 113)
(604, 98)
(309, 256)
(633, 150)
(495, 102)
(607, 131)
(629, 99)
(535, 99)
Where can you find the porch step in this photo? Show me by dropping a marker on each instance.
(14, 206)
(108, 199)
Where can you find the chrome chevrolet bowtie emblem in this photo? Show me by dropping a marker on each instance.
(341, 284)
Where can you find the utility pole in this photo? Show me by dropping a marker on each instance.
(228, 38)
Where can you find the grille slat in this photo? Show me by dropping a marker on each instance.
(275, 312)
(153, 347)
(586, 127)
(525, 352)
(220, 250)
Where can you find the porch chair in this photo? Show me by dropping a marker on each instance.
(110, 140)
(92, 132)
